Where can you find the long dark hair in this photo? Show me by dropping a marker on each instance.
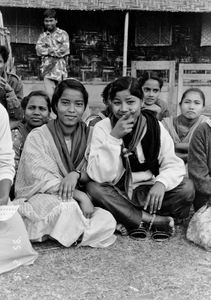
(125, 83)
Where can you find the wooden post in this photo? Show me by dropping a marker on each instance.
(124, 71)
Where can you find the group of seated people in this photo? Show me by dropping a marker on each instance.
(78, 183)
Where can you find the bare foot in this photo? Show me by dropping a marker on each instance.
(121, 229)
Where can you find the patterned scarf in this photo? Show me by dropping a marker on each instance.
(79, 140)
(150, 144)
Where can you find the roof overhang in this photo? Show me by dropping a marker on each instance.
(130, 5)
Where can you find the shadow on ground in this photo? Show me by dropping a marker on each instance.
(129, 269)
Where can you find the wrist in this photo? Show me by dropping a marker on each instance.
(79, 174)
(8, 88)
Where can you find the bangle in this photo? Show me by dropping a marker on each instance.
(79, 172)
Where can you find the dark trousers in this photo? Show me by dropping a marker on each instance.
(176, 203)
(201, 200)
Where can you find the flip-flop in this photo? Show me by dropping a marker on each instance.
(139, 233)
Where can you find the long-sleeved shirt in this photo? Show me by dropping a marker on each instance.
(105, 162)
(53, 47)
(7, 170)
(199, 158)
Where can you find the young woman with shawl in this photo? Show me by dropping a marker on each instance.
(136, 174)
(51, 175)
(182, 127)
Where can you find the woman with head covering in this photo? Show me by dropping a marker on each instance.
(137, 175)
(51, 176)
(181, 128)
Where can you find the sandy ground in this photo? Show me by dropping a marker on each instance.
(128, 269)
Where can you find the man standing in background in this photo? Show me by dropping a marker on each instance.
(53, 47)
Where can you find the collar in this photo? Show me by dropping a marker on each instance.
(49, 33)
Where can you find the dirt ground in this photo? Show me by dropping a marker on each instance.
(129, 269)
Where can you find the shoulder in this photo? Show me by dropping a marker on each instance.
(42, 35)
(204, 118)
(94, 119)
(203, 128)
(61, 31)
(102, 128)
(164, 133)
(3, 114)
(3, 110)
(37, 133)
(167, 121)
(161, 103)
(104, 124)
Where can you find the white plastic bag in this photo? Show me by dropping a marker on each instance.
(199, 228)
(15, 247)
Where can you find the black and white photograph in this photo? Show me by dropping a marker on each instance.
(105, 149)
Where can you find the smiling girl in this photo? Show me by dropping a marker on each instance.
(51, 176)
(136, 174)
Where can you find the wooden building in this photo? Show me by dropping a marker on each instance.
(107, 35)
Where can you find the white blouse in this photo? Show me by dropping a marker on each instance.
(105, 162)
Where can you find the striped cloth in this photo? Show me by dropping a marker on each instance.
(38, 178)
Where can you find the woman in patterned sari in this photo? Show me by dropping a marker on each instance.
(51, 176)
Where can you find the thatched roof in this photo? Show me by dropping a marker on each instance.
(143, 5)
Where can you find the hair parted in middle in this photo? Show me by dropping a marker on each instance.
(150, 75)
(40, 93)
(69, 83)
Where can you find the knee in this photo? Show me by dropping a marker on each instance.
(93, 189)
(187, 191)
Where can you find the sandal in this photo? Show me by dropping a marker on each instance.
(139, 233)
(163, 233)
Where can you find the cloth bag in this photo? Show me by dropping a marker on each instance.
(199, 228)
(15, 247)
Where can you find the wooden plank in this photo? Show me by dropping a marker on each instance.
(188, 79)
(195, 66)
(197, 76)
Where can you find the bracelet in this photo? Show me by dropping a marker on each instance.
(79, 172)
